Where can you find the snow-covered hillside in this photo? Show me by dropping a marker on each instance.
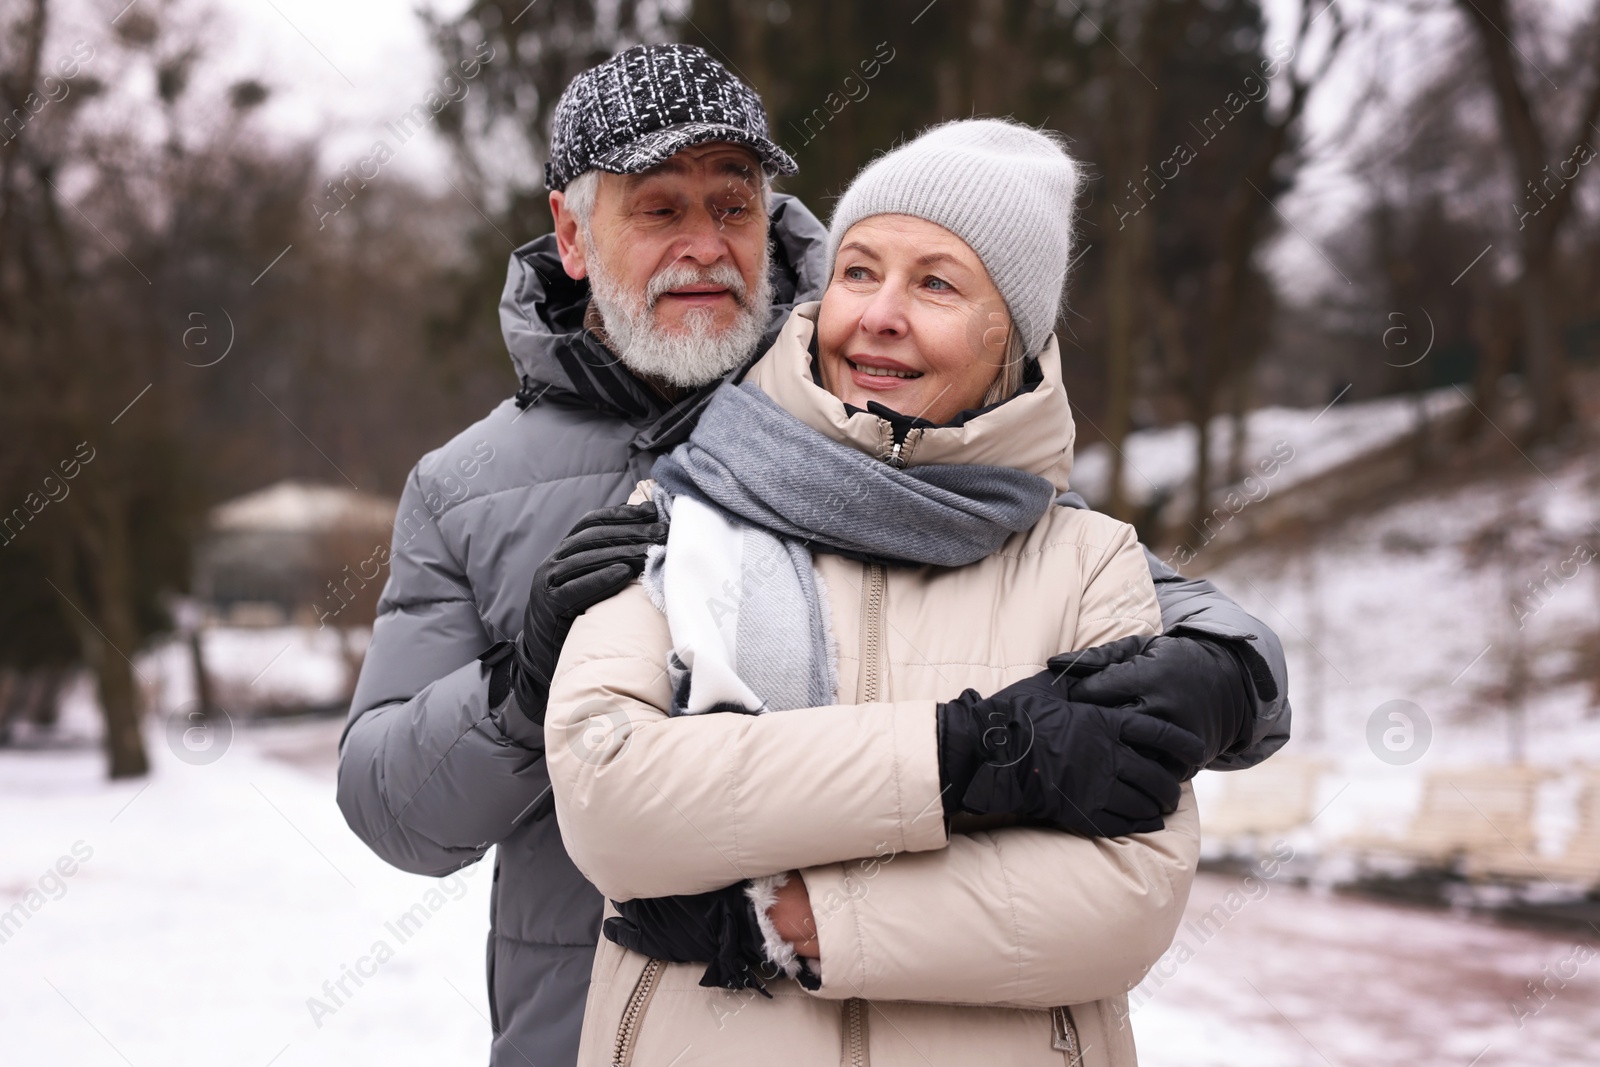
(1430, 601)
(1304, 441)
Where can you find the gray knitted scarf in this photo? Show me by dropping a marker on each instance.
(782, 489)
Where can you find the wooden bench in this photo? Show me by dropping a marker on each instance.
(1468, 811)
(1268, 800)
(1579, 861)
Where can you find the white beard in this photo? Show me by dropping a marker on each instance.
(691, 357)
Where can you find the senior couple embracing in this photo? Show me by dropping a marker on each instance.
(832, 716)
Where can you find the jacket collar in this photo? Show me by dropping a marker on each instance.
(1033, 431)
(556, 356)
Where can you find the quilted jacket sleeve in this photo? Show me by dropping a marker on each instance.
(1197, 606)
(1020, 916)
(430, 776)
(651, 808)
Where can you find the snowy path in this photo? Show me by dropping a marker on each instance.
(1296, 978)
(208, 908)
(213, 904)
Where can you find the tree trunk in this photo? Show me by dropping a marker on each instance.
(1517, 675)
(1526, 140)
(1121, 285)
(1494, 324)
(46, 710)
(1130, 118)
(1200, 510)
(1239, 421)
(10, 706)
(119, 699)
(1316, 692)
(119, 702)
(1218, 362)
(114, 636)
(750, 30)
(1422, 426)
(1542, 354)
(26, 77)
(202, 678)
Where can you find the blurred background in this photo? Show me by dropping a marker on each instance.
(1333, 341)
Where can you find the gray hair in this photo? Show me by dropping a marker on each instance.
(1009, 381)
(579, 197)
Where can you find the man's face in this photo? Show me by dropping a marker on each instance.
(681, 248)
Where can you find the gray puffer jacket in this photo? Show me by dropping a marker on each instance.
(430, 776)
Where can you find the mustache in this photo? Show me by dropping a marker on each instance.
(680, 275)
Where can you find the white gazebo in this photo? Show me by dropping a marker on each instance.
(269, 557)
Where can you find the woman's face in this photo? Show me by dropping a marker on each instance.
(910, 319)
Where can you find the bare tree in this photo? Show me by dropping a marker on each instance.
(96, 266)
(1144, 37)
(1225, 360)
(1529, 136)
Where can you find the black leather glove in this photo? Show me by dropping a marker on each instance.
(1028, 751)
(594, 562)
(1199, 684)
(717, 928)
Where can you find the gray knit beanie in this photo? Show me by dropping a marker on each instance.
(1005, 189)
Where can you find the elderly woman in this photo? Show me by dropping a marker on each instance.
(822, 758)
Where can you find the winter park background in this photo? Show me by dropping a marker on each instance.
(238, 350)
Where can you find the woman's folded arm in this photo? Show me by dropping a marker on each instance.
(654, 807)
(1019, 916)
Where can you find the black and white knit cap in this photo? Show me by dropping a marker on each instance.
(647, 103)
(1005, 189)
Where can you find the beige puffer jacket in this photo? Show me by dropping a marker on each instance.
(1013, 946)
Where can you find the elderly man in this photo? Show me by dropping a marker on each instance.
(671, 267)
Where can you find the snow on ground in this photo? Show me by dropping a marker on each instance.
(285, 665)
(194, 918)
(209, 911)
(1404, 605)
(1392, 607)
(250, 668)
(1293, 977)
(1160, 462)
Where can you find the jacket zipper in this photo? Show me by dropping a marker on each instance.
(633, 1014)
(855, 1033)
(872, 631)
(867, 690)
(901, 442)
(854, 1010)
(1064, 1036)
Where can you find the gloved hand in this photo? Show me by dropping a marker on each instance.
(1028, 751)
(594, 562)
(717, 928)
(1200, 684)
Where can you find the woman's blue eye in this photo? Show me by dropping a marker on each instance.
(855, 274)
(938, 283)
